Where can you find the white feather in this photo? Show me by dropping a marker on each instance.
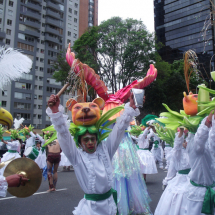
(17, 122)
(12, 65)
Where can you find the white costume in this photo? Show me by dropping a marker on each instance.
(30, 141)
(171, 200)
(64, 160)
(201, 157)
(157, 149)
(93, 171)
(168, 154)
(41, 159)
(13, 151)
(147, 162)
(3, 186)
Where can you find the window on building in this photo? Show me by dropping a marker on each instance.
(41, 69)
(76, 5)
(7, 41)
(40, 97)
(35, 87)
(34, 115)
(38, 49)
(35, 96)
(40, 87)
(44, 8)
(10, 13)
(70, 18)
(21, 105)
(39, 116)
(69, 33)
(68, 41)
(0, 20)
(40, 106)
(11, 3)
(75, 12)
(8, 32)
(75, 35)
(40, 78)
(1, 1)
(41, 60)
(27, 76)
(21, 85)
(75, 20)
(43, 24)
(25, 47)
(70, 10)
(36, 77)
(9, 22)
(35, 106)
(37, 58)
(70, 2)
(4, 92)
(26, 96)
(36, 68)
(42, 42)
(3, 103)
(42, 51)
(26, 116)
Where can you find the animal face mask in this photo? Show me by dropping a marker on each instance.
(87, 113)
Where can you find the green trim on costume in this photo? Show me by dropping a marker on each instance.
(209, 199)
(184, 171)
(12, 151)
(100, 197)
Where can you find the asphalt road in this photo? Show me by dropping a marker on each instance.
(67, 196)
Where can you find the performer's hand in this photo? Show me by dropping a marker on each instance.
(132, 103)
(208, 121)
(55, 101)
(16, 180)
(181, 132)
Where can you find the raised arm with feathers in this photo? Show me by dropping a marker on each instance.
(91, 78)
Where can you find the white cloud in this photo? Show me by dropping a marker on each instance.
(136, 9)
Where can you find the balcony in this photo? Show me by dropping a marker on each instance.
(53, 14)
(34, 6)
(32, 33)
(31, 14)
(56, 23)
(2, 34)
(31, 24)
(39, 1)
(52, 39)
(53, 6)
(51, 30)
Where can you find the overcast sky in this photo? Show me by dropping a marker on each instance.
(136, 9)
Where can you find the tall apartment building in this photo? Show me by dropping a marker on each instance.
(88, 15)
(179, 25)
(40, 28)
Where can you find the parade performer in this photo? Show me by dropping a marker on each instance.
(147, 162)
(157, 149)
(30, 136)
(13, 148)
(171, 201)
(92, 159)
(65, 162)
(41, 159)
(53, 160)
(168, 154)
(11, 181)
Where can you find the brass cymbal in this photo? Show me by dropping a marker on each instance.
(2, 164)
(29, 169)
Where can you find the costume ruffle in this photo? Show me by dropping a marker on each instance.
(3, 186)
(41, 159)
(147, 162)
(133, 197)
(64, 160)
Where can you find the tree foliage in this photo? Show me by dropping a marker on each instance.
(120, 51)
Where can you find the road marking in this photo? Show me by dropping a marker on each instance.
(13, 197)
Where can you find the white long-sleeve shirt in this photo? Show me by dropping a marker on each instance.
(30, 141)
(41, 139)
(179, 159)
(143, 141)
(3, 186)
(201, 160)
(14, 145)
(93, 171)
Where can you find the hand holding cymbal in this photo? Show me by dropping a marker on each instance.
(25, 169)
(16, 180)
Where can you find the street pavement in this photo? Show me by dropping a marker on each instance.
(67, 196)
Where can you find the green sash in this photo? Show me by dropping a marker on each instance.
(100, 197)
(184, 171)
(209, 199)
(12, 151)
(144, 149)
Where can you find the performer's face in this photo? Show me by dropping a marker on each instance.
(89, 143)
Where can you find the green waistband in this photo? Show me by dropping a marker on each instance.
(12, 151)
(100, 197)
(144, 149)
(209, 199)
(184, 171)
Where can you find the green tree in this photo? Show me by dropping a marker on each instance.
(120, 51)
